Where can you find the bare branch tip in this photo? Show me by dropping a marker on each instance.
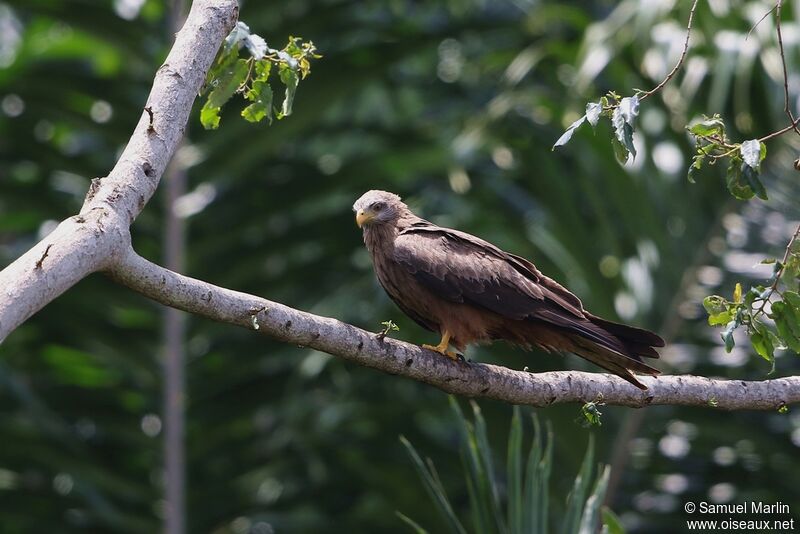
(41, 260)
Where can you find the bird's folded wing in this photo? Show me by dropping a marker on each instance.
(460, 267)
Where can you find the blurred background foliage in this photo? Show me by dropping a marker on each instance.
(454, 105)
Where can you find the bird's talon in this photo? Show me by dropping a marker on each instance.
(444, 352)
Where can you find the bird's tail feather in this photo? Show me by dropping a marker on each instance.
(629, 334)
(611, 360)
(615, 347)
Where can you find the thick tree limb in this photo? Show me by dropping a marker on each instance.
(98, 239)
(90, 241)
(473, 380)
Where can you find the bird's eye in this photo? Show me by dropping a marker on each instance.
(378, 206)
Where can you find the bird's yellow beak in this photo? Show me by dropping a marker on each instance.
(362, 218)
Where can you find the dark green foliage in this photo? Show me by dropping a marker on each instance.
(744, 159)
(423, 101)
(524, 492)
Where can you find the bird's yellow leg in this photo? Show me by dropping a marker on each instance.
(441, 348)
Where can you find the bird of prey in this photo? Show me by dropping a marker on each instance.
(470, 291)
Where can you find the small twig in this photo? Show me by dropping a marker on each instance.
(150, 127)
(786, 107)
(778, 273)
(388, 326)
(681, 59)
(41, 260)
(780, 132)
(767, 14)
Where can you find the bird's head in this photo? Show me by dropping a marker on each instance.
(378, 207)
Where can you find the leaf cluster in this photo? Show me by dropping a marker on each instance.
(743, 159)
(621, 111)
(525, 492)
(231, 74)
(769, 315)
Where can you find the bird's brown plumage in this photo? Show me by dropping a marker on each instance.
(454, 282)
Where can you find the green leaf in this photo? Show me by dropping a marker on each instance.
(480, 496)
(261, 96)
(226, 85)
(225, 61)
(537, 477)
(763, 345)
(697, 164)
(623, 120)
(719, 319)
(262, 69)
(411, 523)
(737, 185)
(793, 298)
(714, 304)
(485, 451)
(711, 126)
(753, 181)
(567, 135)
(576, 497)
(727, 335)
(591, 511)
(786, 323)
(611, 522)
(591, 414)
(620, 152)
(290, 80)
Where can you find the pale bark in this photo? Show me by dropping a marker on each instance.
(91, 241)
(98, 239)
(468, 379)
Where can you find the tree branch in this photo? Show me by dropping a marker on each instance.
(88, 242)
(98, 239)
(681, 59)
(340, 339)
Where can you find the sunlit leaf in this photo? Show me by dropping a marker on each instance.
(227, 84)
(290, 80)
(710, 126)
(593, 110)
(256, 45)
(567, 135)
(261, 95)
(751, 153)
(623, 120)
(763, 346)
(611, 523)
(239, 33)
